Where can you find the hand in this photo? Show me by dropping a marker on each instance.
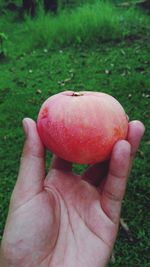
(66, 220)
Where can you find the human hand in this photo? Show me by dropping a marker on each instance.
(66, 220)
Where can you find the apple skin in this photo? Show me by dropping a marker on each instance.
(82, 127)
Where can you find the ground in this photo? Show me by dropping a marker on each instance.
(120, 68)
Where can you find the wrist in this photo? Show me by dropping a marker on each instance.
(5, 260)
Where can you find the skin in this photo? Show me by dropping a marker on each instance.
(74, 132)
(64, 219)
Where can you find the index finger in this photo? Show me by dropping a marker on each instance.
(114, 187)
(120, 166)
(135, 133)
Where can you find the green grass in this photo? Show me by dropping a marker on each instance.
(84, 25)
(120, 68)
(89, 23)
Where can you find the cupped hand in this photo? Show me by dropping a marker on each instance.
(66, 220)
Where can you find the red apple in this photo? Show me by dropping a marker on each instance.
(82, 127)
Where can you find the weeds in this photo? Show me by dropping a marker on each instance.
(98, 22)
(3, 51)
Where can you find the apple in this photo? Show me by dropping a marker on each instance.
(82, 127)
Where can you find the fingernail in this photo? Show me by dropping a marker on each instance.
(25, 127)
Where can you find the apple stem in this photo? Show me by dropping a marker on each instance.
(77, 94)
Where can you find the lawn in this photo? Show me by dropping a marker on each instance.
(33, 70)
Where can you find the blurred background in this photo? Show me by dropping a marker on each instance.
(50, 46)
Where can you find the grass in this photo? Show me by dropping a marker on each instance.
(120, 68)
(89, 23)
(84, 25)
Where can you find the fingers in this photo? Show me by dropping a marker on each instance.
(95, 173)
(120, 166)
(61, 164)
(32, 164)
(115, 184)
(135, 133)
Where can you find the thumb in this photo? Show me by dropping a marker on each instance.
(32, 165)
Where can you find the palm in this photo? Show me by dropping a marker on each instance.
(63, 220)
(82, 219)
